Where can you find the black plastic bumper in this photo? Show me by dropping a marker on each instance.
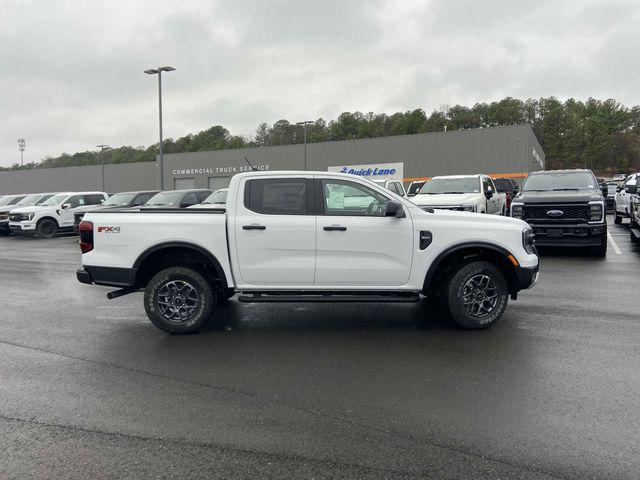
(107, 276)
(563, 235)
(527, 277)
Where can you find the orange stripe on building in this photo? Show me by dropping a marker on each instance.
(492, 175)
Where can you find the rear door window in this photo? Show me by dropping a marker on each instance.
(281, 196)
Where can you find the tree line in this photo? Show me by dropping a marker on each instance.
(603, 135)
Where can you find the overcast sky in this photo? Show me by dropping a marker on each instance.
(71, 71)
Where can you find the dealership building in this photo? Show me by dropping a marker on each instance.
(510, 151)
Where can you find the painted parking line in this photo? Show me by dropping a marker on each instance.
(613, 244)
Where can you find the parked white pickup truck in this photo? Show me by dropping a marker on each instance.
(467, 193)
(307, 237)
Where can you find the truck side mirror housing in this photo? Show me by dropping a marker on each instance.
(394, 209)
(516, 189)
(631, 189)
(66, 206)
(488, 193)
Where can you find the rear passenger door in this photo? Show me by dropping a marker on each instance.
(275, 232)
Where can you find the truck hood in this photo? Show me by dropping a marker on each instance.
(446, 199)
(32, 208)
(8, 208)
(561, 196)
(470, 219)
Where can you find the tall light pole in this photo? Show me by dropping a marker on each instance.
(102, 148)
(21, 146)
(304, 124)
(158, 71)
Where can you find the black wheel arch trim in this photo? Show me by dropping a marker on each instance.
(462, 246)
(190, 246)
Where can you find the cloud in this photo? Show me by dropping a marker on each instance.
(72, 76)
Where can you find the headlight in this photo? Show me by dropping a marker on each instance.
(468, 208)
(595, 212)
(28, 216)
(4, 216)
(528, 240)
(517, 210)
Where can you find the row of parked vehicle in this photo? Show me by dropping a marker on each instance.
(47, 214)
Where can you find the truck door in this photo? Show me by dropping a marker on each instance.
(357, 244)
(275, 232)
(493, 203)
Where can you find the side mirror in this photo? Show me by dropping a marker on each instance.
(516, 189)
(394, 209)
(631, 189)
(488, 193)
(66, 206)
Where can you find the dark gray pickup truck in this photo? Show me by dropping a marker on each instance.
(564, 208)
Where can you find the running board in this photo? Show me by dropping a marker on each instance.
(329, 297)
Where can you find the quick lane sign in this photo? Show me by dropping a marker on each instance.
(373, 171)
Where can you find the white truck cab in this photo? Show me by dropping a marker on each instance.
(467, 193)
(621, 202)
(307, 237)
(53, 215)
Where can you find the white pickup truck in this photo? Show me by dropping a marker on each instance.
(467, 193)
(307, 237)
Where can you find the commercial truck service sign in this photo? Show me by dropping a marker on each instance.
(381, 171)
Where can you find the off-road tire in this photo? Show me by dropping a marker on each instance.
(457, 285)
(617, 219)
(158, 300)
(47, 228)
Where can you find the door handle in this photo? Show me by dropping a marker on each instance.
(335, 228)
(254, 227)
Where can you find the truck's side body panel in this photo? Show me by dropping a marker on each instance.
(126, 236)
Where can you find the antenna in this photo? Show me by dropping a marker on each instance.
(254, 169)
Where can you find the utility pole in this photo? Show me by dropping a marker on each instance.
(102, 148)
(158, 71)
(21, 146)
(304, 124)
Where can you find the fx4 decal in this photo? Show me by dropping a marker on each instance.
(108, 229)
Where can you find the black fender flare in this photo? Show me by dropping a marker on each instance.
(190, 246)
(456, 248)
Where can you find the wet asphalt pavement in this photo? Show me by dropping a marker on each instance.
(90, 389)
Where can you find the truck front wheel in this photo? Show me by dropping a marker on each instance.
(476, 295)
(179, 300)
(47, 228)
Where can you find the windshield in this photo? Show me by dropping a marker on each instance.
(5, 201)
(55, 200)
(451, 185)
(558, 181)
(44, 198)
(503, 184)
(29, 199)
(219, 196)
(165, 198)
(119, 200)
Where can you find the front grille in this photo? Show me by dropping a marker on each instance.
(545, 213)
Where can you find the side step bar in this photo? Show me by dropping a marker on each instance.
(329, 297)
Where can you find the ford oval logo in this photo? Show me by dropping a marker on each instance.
(555, 213)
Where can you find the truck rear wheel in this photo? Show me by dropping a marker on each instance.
(47, 228)
(179, 300)
(476, 295)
